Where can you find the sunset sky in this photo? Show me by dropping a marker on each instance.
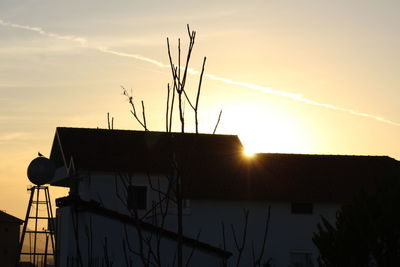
(312, 76)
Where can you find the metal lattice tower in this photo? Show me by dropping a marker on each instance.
(35, 216)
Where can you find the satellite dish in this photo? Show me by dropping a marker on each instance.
(41, 170)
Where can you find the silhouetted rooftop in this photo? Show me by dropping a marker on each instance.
(5, 217)
(213, 166)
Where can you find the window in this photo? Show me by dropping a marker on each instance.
(137, 197)
(186, 204)
(301, 259)
(302, 208)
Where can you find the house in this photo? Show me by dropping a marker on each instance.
(9, 238)
(122, 206)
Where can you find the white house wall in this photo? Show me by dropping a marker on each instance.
(109, 190)
(287, 232)
(103, 241)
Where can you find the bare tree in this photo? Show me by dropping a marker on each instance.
(171, 196)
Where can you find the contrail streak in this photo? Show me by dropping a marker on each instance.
(81, 41)
(300, 98)
(297, 97)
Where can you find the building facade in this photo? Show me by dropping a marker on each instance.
(126, 187)
(9, 238)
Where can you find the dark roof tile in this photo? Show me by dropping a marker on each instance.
(213, 166)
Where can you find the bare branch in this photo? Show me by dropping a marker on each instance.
(172, 109)
(192, 251)
(133, 111)
(198, 96)
(192, 36)
(216, 125)
(179, 59)
(240, 247)
(187, 98)
(223, 235)
(266, 230)
(110, 124)
(253, 253)
(144, 116)
(167, 109)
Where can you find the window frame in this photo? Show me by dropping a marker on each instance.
(305, 208)
(137, 198)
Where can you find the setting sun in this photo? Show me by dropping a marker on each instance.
(308, 78)
(273, 132)
(248, 153)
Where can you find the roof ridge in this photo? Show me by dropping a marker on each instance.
(142, 131)
(325, 155)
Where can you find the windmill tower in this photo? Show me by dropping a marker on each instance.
(39, 212)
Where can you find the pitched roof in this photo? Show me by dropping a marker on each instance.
(308, 178)
(123, 150)
(213, 166)
(5, 217)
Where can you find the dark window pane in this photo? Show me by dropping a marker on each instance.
(301, 259)
(137, 197)
(302, 208)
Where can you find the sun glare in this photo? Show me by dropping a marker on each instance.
(277, 133)
(248, 153)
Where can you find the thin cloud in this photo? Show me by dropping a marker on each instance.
(300, 98)
(297, 97)
(138, 57)
(16, 136)
(81, 41)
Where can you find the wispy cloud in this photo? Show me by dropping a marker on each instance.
(81, 41)
(138, 57)
(297, 97)
(16, 136)
(300, 98)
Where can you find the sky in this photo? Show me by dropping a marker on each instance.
(311, 76)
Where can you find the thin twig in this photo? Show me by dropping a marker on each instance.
(240, 247)
(266, 230)
(198, 96)
(223, 236)
(133, 111)
(216, 125)
(167, 111)
(144, 116)
(193, 249)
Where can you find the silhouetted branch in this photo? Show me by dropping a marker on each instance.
(192, 251)
(240, 247)
(216, 125)
(198, 96)
(108, 262)
(167, 109)
(133, 111)
(223, 235)
(266, 230)
(144, 116)
(110, 124)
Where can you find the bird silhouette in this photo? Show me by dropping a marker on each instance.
(40, 154)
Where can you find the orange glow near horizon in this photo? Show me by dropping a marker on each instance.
(268, 130)
(248, 153)
(291, 84)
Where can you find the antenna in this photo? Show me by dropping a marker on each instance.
(40, 171)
